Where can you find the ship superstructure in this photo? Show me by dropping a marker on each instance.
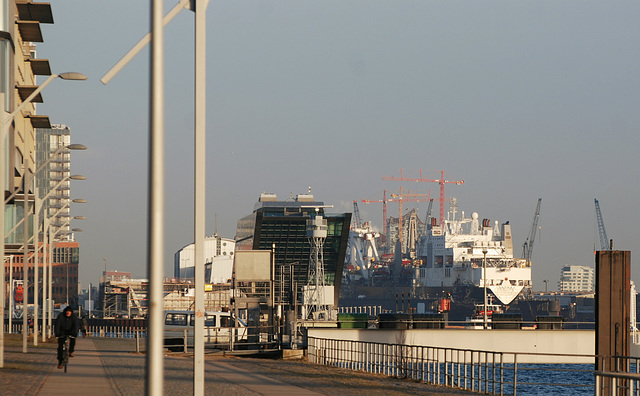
(454, 252)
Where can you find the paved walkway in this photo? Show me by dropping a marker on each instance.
(110, 366)
(85, 374)
(255, 382)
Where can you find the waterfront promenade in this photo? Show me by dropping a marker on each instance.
(110, 366)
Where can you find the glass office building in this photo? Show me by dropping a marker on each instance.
(281, 226)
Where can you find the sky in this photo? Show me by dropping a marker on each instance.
(520, 99)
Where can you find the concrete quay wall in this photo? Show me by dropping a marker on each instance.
(531, 346)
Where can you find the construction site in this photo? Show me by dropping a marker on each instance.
(123, 297)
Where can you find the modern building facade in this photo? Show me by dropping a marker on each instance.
(53, 181)
(576, 278)
(218, 260)
(19, 32)
(281, 226)
(65, 260)
(29, 142)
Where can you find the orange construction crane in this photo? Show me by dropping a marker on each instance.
(408, 197)
(440, 181)
(384, 210)
(400, 198)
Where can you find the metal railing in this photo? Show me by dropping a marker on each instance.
(117, 332)
(617, 375)
(473, 370)
(371, 310)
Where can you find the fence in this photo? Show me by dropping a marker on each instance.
(622, 376)
(473, 370)
(371, 310)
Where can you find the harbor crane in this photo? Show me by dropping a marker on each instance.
(384, 209)
(408, 197)
(527, 246)
(362, 251)
(357, 220)
(427, 220)
(440, 181)
(605, 244)
(400, 198)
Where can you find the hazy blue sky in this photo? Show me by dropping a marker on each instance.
(521, 99)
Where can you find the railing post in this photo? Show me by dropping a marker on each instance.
(501, 374)
(515, 374)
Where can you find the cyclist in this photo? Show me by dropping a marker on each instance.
(66, 325)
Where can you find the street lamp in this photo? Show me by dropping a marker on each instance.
(154, 363)
(50, 240)
(4, 125)
(36, 235)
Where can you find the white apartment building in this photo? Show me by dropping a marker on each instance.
(218, 260)
(576, 278)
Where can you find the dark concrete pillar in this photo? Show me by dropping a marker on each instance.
(612, 308)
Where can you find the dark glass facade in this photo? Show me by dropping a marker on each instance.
(281, 226)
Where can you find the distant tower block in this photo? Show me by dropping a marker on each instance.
(317, 233)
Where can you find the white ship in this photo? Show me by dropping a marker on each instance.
(453, 255)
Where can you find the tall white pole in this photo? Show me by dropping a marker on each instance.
(3, 158)
(25, 235)
(199, 192)
(50, 333)
(25, 256)
(36, 262)
(154, 381)
(11, 295)
(44, 278)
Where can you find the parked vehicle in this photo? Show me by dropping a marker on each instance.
(218, 329)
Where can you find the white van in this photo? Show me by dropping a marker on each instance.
(218, 328)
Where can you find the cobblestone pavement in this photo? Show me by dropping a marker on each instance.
(23, 373)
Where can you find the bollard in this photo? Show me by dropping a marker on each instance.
(137, 342)
(185, 341)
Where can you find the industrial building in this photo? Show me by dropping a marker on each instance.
(121, 296)
(218, 260)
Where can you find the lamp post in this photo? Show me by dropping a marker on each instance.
(4, 125)
(484, 283)
(50, 235)
(38, 208)
(154, 364)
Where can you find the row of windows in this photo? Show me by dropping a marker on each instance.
(56, 269)
(58, 279)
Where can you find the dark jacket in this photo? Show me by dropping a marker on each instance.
(66, 325)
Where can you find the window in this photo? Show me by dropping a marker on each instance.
(175, 319)
(227, 321)
(5, 69)
(5, 15)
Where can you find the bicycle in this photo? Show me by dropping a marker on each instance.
(65, 352)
